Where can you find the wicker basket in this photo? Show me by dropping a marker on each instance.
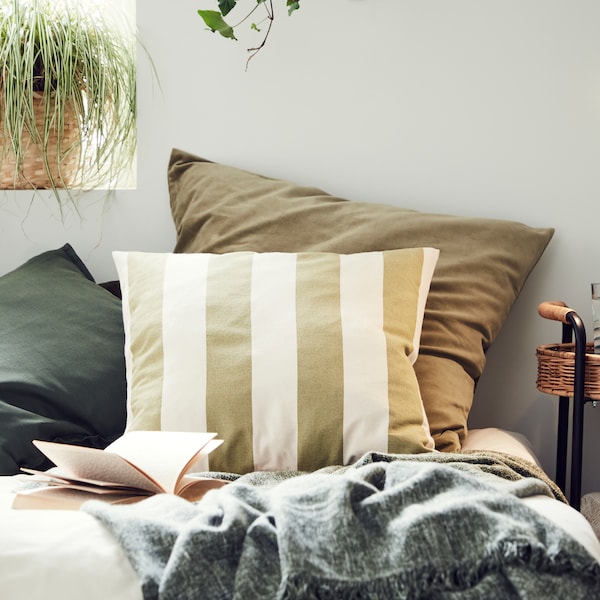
(556, 370)
(34, 175)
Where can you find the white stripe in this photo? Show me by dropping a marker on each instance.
(184, 343)
(274, 362)
(366, 410)
(121, 263)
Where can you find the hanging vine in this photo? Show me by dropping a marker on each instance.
(215, 19)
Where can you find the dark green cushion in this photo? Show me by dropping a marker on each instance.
(62, 366)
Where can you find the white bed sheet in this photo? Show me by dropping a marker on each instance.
(46, 555)
(59, 554)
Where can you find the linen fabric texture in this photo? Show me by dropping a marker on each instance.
(296, 360)
(62, 367)
(482, 268)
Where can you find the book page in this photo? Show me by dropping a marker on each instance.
(94, 464)
(57, 477)
(163, 455)
(193, 488)
(200, 462)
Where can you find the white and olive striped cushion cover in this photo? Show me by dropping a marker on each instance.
(297, 361)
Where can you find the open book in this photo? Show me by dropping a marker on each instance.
(136, 465)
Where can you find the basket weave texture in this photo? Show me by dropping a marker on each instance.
(556, 370)
(62, 164)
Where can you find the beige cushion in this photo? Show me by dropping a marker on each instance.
(297, 361)
(500, 440)
(482, 267)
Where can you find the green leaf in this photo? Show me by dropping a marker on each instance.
(254, 27)
(225, 6)
(215, 22)
(292, 6)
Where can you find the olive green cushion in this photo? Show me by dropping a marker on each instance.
(482, 267)
(62, 366)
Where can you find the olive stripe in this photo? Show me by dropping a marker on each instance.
(229, 359)
(145, 299)
(320, 366)
(402, 283)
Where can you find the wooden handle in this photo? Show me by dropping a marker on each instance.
(555, 310)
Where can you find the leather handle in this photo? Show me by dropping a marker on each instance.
(554, 310)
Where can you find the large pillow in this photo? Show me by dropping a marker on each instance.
(482, 267)
(62, 366)
(297, 361)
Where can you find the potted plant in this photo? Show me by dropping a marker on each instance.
(67, 96)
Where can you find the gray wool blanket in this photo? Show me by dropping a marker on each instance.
(390, 526)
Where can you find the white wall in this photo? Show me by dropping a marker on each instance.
(468, 107)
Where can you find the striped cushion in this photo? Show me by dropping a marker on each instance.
(297, 361)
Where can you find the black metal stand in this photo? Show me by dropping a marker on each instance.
(573, 328)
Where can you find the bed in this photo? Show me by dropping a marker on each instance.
(335, 346)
